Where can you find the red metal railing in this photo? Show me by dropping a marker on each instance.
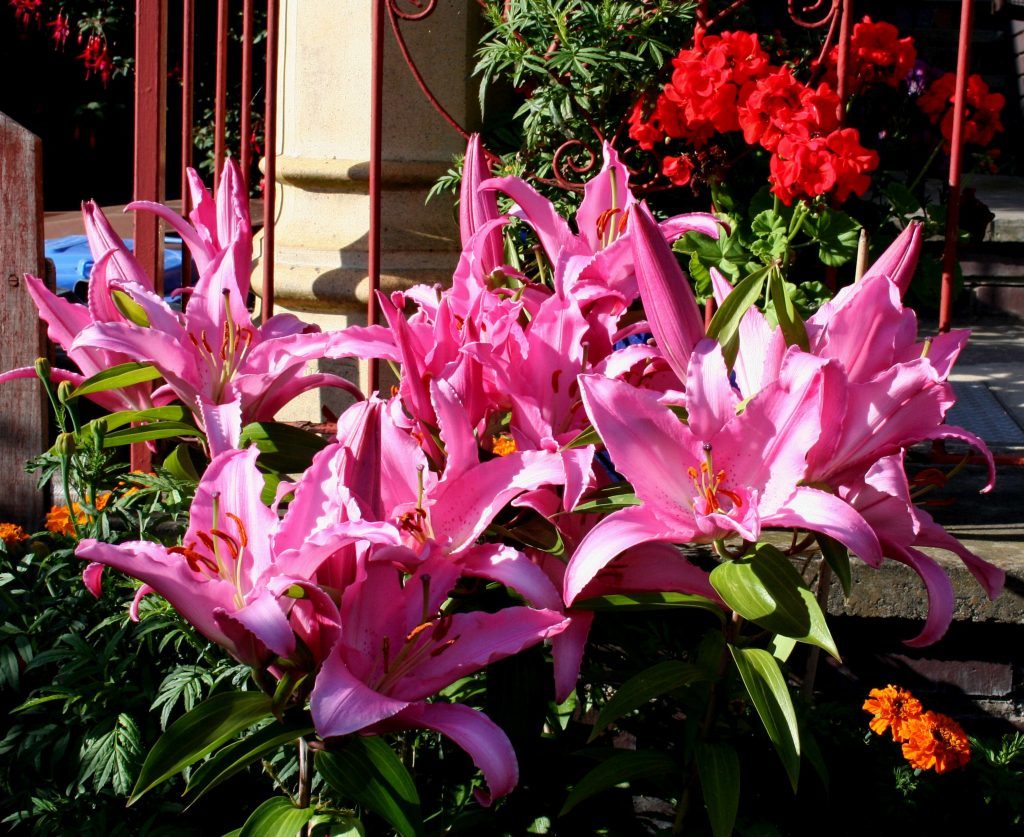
(151, 71)
(150, 101)
(151, 106)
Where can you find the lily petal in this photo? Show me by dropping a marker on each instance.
(475, 733)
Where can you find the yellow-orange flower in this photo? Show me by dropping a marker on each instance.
(11, 533)
(58, 519)
(893, 709)
(503, 445)
(936, 741)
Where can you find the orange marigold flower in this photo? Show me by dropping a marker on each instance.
(936, 741)
(11, 533)
(503, 445)
(58, 519)
(893, 709)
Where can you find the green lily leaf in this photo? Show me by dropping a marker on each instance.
(277, 817)
(283, 448)
(198, 733)
(585, 437)
(172, 412)
(130, 309)
(149, 431)
(608, 499)
(649, 601)
(622, 767)
(368, 771)
(838, 558)
(792, 325)
(240, 754)
(117, 377)
(725, 324)
(766, 588)
(718, 767)
(642, 688)
(179, 463)
(767, 688)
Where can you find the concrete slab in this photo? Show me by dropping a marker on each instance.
(1005, 197)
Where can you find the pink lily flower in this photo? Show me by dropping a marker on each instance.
(243, 575)
(399, 646)
(671, 307)
(883, 498)
(599, 258)
(478, 207)
(114, 268)
(226, 370)
(721, 475)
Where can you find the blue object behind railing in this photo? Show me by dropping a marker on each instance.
(74, 262)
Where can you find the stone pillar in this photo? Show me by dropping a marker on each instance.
(320, 263)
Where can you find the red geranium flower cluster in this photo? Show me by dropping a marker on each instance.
(726, 83)
(981, 119)
(878, 55)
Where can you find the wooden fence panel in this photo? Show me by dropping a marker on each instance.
(23, 414)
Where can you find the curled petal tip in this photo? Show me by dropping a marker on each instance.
(92, 577)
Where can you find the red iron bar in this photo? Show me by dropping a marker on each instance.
(949, 254)
(221, 92)
(245, 152)
(373, 254)
(150, 162)
(187, 96)
(270, 162)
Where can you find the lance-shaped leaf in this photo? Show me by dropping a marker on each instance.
(642, 688)
(240, 754)
(277, 817)
(624, 766)
(367, 771)
(770, 695)
(766, 588)
(198, 733)
(718, 766)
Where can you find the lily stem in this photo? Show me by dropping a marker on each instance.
(814, 656)
(305, 780)
(731, 631)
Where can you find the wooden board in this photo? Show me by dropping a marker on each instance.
(24, 419)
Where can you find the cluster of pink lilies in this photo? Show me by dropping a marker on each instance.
(516, 397)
